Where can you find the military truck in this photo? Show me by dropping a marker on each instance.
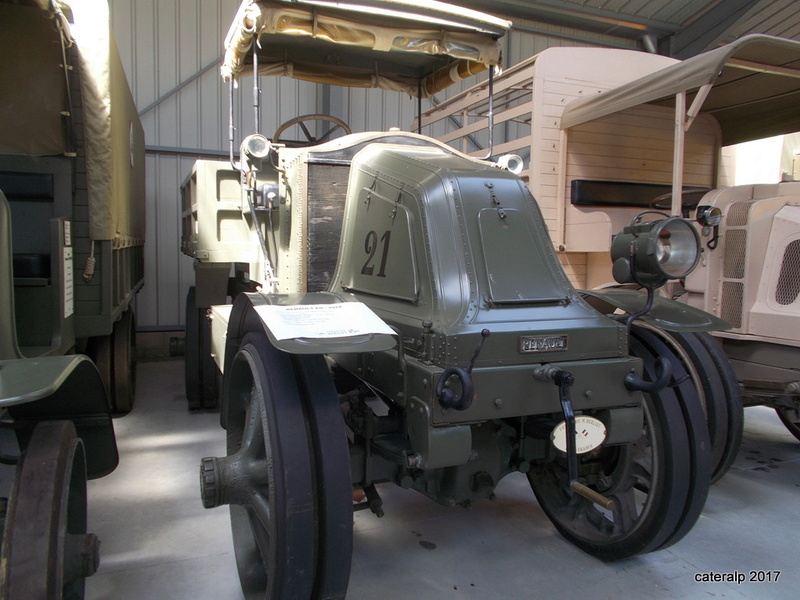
(382, 308)
(71, 261)
(597, 129)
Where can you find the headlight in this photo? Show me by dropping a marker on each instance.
(256, 146)
(709, 216)
(653, 252)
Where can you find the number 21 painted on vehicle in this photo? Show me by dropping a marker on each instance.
(371, 243)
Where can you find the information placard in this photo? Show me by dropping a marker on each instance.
(321, 321)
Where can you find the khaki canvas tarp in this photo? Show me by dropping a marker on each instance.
(755, 93)
(404, 45)
(33, 97)
(32, 84)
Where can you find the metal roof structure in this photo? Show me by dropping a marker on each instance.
(677, 28)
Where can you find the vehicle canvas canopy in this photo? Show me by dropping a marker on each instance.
(750, 86)
(37, 111)
(410, 46)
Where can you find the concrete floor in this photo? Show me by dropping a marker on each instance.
(159, 543)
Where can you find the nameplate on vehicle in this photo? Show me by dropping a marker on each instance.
(542, 343)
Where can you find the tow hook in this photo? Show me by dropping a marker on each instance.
(448, 397)
(564, 380)
(663, 375)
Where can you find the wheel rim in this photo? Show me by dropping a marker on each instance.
(287, 475)
(272, 512)
(45, 529)
(658, 482)
(628, 475)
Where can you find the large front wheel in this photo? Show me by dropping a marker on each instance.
(658, 483)
(286, 476)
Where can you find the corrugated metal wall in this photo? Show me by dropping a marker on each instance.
(171, 50)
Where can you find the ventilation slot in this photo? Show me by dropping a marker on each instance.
(735, 253)
(732, 299)
(739, 214)
(789, 280)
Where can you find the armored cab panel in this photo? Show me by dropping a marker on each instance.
(432, 242)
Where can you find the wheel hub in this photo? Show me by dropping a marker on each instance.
(231, 479)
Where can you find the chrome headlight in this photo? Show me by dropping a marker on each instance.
(653, 252)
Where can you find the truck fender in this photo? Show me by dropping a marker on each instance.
(246, 316)
(61, 388)
(666, 314)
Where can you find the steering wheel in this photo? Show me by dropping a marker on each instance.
(689, 201)
(310, 139)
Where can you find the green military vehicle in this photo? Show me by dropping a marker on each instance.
(399, 315)
(71, 262)
(607, 132)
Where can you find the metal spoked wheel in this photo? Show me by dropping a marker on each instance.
(286, 476)
(46, 552)
(791, 419)
(658, 482)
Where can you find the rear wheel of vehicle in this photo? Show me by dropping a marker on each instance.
(124, 352)
(101, 351)
(291, 495)
(658, 482)
(46, 552)
(791, 418)
(200, 371)
(192, 351)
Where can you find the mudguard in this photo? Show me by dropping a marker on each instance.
(61, 387)
(248, 314)
(666, 314)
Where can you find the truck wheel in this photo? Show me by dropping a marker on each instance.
(46, 552)
(101, 351)
(199, 370)
(791, 418)
(124, 352)
(658, 483)
(715, 380)
(286, 476)
(735, 404)
(192, 351)
(334, 487)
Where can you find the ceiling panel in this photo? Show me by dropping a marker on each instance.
(678, 28)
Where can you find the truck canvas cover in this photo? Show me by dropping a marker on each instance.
(410, 46)
(751, 86)
(34, 120)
